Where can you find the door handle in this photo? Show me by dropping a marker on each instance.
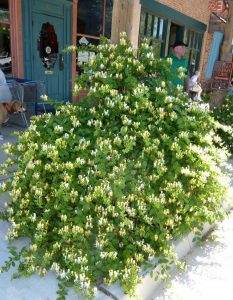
(61, 62)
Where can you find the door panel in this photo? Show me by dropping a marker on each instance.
(55, 79)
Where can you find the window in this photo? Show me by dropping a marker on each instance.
(153, 26)
(5, 49)
(193, 52)
(94, 19)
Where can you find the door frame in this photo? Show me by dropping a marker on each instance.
(64, 10)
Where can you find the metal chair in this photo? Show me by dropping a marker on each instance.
(33, 90)
(17, 93)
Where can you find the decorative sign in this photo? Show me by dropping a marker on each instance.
(83, 41)
(221, 76)
(48, 72)
(84, 56)
(216, 6)
(48, 50)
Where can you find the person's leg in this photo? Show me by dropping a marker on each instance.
(199, 91)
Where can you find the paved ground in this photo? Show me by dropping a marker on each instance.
(208, 275)
(209, 270)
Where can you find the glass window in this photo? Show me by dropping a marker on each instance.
(149, 25)
(108, 18)
(5, 45)
(94, 20)
(161, 23)
(90, 17)
(153, 26)
(193, 52)
(4, 10)
(142, 28)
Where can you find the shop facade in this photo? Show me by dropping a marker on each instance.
(169, 21)
(34, 33)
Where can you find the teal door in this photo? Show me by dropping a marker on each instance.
(54, 76)
(47, 32)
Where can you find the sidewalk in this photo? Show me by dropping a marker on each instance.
(208, 275)
(209, 270)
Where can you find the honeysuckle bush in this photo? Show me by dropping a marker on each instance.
(224, 115)
(103, 187)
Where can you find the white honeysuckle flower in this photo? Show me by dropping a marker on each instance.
(150, 55)
(72, 48)
(179, 87)
(181, 69)
(181, 75)
(66, 136)
(44, 97)
(58, 129)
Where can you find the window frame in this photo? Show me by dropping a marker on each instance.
(8, 22)
(143, 31)
(194, 48)
(95, 37)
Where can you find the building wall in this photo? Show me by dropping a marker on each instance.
(197, 9)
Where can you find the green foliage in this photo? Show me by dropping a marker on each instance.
(102, 187)
(224, 115)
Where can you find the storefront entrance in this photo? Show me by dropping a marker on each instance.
(49, 33)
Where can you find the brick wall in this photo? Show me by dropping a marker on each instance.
(197, 9)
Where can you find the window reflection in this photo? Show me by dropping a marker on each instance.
(5, 51)
(4, 10)
(155, 27)
(142, 28)
(90, 17)
(83, 56)
(94, 20)
(161, 23)
(149, 24)
(108, 18)
(193, 52)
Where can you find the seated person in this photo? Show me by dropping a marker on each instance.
(5, 93)
(194, 86)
